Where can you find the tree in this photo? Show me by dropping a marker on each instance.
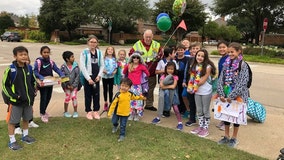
(254, 11)
(5, 22)
(121, 13)
(24, 21)
(212, 30)
(245, 26)
(70, 14)
(194, 15)
(63, 15)
(50, 15)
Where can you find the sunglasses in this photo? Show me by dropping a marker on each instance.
(135, 57)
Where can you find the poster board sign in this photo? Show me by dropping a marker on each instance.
(234, 112)
(49, 81)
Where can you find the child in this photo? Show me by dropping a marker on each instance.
(71, 70)
(186, 44)
(92, 66)
(134, 70)
(121, 63)
(43, 67)
(108, 73)
(32, 124)
(170, 72)
(201, 73)
(188, 98)
(232, 84)
(19, 86)
(169, 56)
(182, 61)
(120, 107)
(222, 48)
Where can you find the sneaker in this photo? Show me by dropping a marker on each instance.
(14, 146)
(18, 130)
(136, 118)
(121, 138)
(203, 133)
(44, 118)
(179, 127)
(75, 115)
(130, 118)
(189, 123)
(233, 142)
(151, 108)
(28, 139)
(67, 115)
(196, 130)
(32, 124)
(114, 129)
(224, 140)
(89, 116)
(96, 115)
(186, 115)
(156, 121)
(220, 124)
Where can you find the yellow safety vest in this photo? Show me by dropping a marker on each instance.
(151, 53)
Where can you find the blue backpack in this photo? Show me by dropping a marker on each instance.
(13, 69)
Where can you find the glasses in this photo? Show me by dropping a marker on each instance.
(93, 42)
(135, 57)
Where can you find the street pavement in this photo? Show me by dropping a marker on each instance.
(267, 88)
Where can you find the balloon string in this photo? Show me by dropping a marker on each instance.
(169, 39)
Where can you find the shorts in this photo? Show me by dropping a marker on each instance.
(184, 92)
(15, 113)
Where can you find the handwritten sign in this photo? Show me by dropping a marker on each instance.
(234, 112)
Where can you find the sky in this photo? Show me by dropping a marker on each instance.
(31, 7)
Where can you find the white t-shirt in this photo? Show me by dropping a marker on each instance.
(205, 88)
(161, 65)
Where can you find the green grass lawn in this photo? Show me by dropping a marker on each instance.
(68, 138)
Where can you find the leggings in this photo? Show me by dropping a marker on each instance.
(228, 123)
(108, 88)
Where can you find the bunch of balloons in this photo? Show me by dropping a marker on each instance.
(179, 7)
(164, 22)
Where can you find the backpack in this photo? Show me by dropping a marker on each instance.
(82, 78)
(13, 77)
(250, 72)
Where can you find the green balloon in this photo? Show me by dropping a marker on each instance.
(164, 24)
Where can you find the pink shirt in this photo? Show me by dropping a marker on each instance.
(135, 75)
(163, 77)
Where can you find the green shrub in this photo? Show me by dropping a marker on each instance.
(37, 35)
(215, 52)
(267, 51)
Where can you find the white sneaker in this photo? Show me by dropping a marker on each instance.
(32, 124)
(18, 130)
(136, 118)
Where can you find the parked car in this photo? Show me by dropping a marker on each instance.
(211, 42)
(11, 36)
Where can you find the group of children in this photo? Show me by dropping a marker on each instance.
(184, 84)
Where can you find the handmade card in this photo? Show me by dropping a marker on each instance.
(234, 112)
